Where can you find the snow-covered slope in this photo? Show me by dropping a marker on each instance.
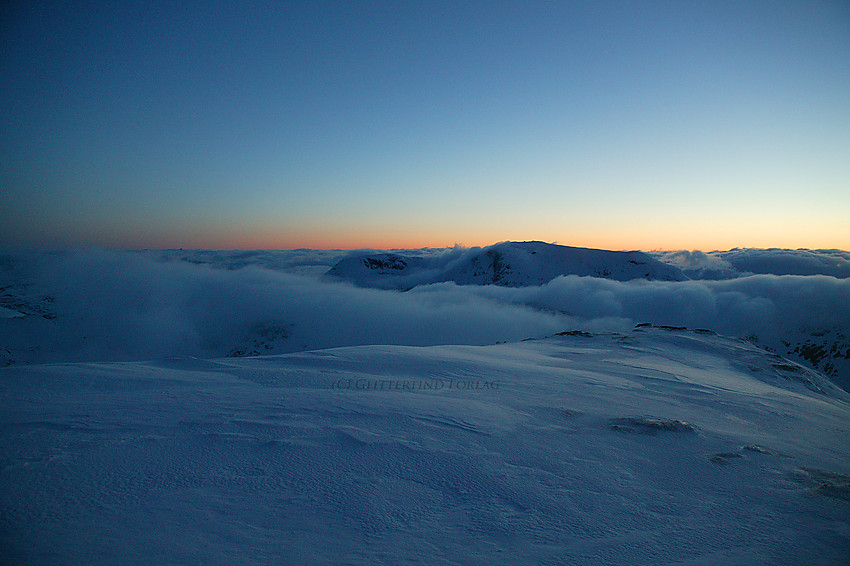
(384, 271)
(657, 446)
(821, 345)
(521, 264)
(509, 264)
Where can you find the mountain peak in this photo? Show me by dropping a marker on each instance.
(507, 264)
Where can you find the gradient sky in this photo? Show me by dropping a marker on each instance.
(621, 125)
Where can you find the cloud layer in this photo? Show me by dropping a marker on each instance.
(742, 262)
(125, 306)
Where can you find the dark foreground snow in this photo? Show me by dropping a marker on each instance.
(650, 447)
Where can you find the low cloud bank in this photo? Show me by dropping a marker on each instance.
(125, 306)
(768, 306)
(110, 305)
(750, 261)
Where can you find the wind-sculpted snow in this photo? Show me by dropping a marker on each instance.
(98, 306)
(654, 446)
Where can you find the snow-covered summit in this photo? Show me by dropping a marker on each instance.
(508, 264)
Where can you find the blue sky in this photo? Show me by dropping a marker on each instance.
(624, 125)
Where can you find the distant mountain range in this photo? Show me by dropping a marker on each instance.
(508, 264)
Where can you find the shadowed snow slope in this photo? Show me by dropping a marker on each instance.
(649, 447)
(509, 264)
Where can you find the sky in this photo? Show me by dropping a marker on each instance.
(281, 125)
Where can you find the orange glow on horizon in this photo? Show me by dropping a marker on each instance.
(631, 235)
(647, 242)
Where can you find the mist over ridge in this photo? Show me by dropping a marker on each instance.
(506, 264)
(109, 305)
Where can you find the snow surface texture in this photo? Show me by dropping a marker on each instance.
(112, 306)
(655, 446)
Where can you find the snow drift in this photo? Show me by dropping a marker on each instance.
(648, 447)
